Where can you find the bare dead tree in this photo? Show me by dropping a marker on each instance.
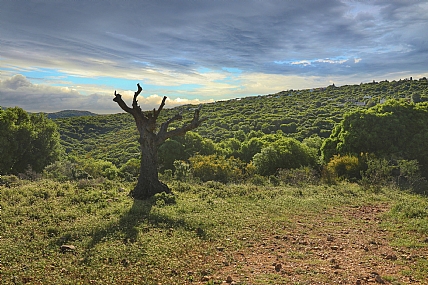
(148, 181)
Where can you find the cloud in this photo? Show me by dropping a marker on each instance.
(19, 91)
(15, 82)
(302, 62)
(181, 36)
(186, 49)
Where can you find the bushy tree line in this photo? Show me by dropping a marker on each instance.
(386, 140)
(386, 143)
(234, 158)
(395, 130)
(26, 141)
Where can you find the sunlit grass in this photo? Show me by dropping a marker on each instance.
(174, 240)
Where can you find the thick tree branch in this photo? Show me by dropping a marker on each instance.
(156, 113)
(138, 112)
(149, 122)
(118, 99)
(164, 134)
(135, 101)
(165, 125)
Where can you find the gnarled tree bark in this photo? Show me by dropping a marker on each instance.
(148, 181)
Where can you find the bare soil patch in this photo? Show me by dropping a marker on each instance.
(340, 246)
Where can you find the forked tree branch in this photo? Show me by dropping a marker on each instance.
(164, 134)
(165, 125)
(135, 111)
(135, 101)
(156, 113)
(148, 122)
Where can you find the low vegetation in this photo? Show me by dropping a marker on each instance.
(91, 232)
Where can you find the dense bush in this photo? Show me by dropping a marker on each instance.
(345, 167)
(27, 141)
(285, 153)
(170, 151)
(181, 148)
(217, 168)
(401, 173)
(182, 170)
(393, 130)
(98, 168)
(410, 176)
(76, 169)
(379, 173)
(251, 147)
(60, 170)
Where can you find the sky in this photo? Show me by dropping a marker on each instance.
(72, 55)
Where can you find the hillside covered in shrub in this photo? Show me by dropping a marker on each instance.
(298, 114)
(346, 132)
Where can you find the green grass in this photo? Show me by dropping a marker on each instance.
(179, 240)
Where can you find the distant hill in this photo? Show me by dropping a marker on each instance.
(69, 113)
(64, 113)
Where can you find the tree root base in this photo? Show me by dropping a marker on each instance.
(147, 189)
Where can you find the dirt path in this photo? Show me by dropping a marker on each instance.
(346, 247)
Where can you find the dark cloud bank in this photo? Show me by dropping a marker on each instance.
(388, 36)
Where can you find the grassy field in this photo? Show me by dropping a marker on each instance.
(91, 232)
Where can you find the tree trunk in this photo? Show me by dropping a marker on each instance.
(148, 181)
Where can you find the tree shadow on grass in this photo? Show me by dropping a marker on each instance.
(126, 226)
(129, 227)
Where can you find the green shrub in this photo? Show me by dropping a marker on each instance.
(411, 177)
(284, 153)
(274, 180)
(217, 168)
(258, 180)
(111, 172)
(60, 170)
(170, 151)
(344, 167)
(182, 170)
(8, 180)
(89, 184)
(250, 147)
(130, 170)
(27, 140)
(29, 174)
(166, 176)
(97, 168)
(299, 176)
(394, 129)
(379, 173)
